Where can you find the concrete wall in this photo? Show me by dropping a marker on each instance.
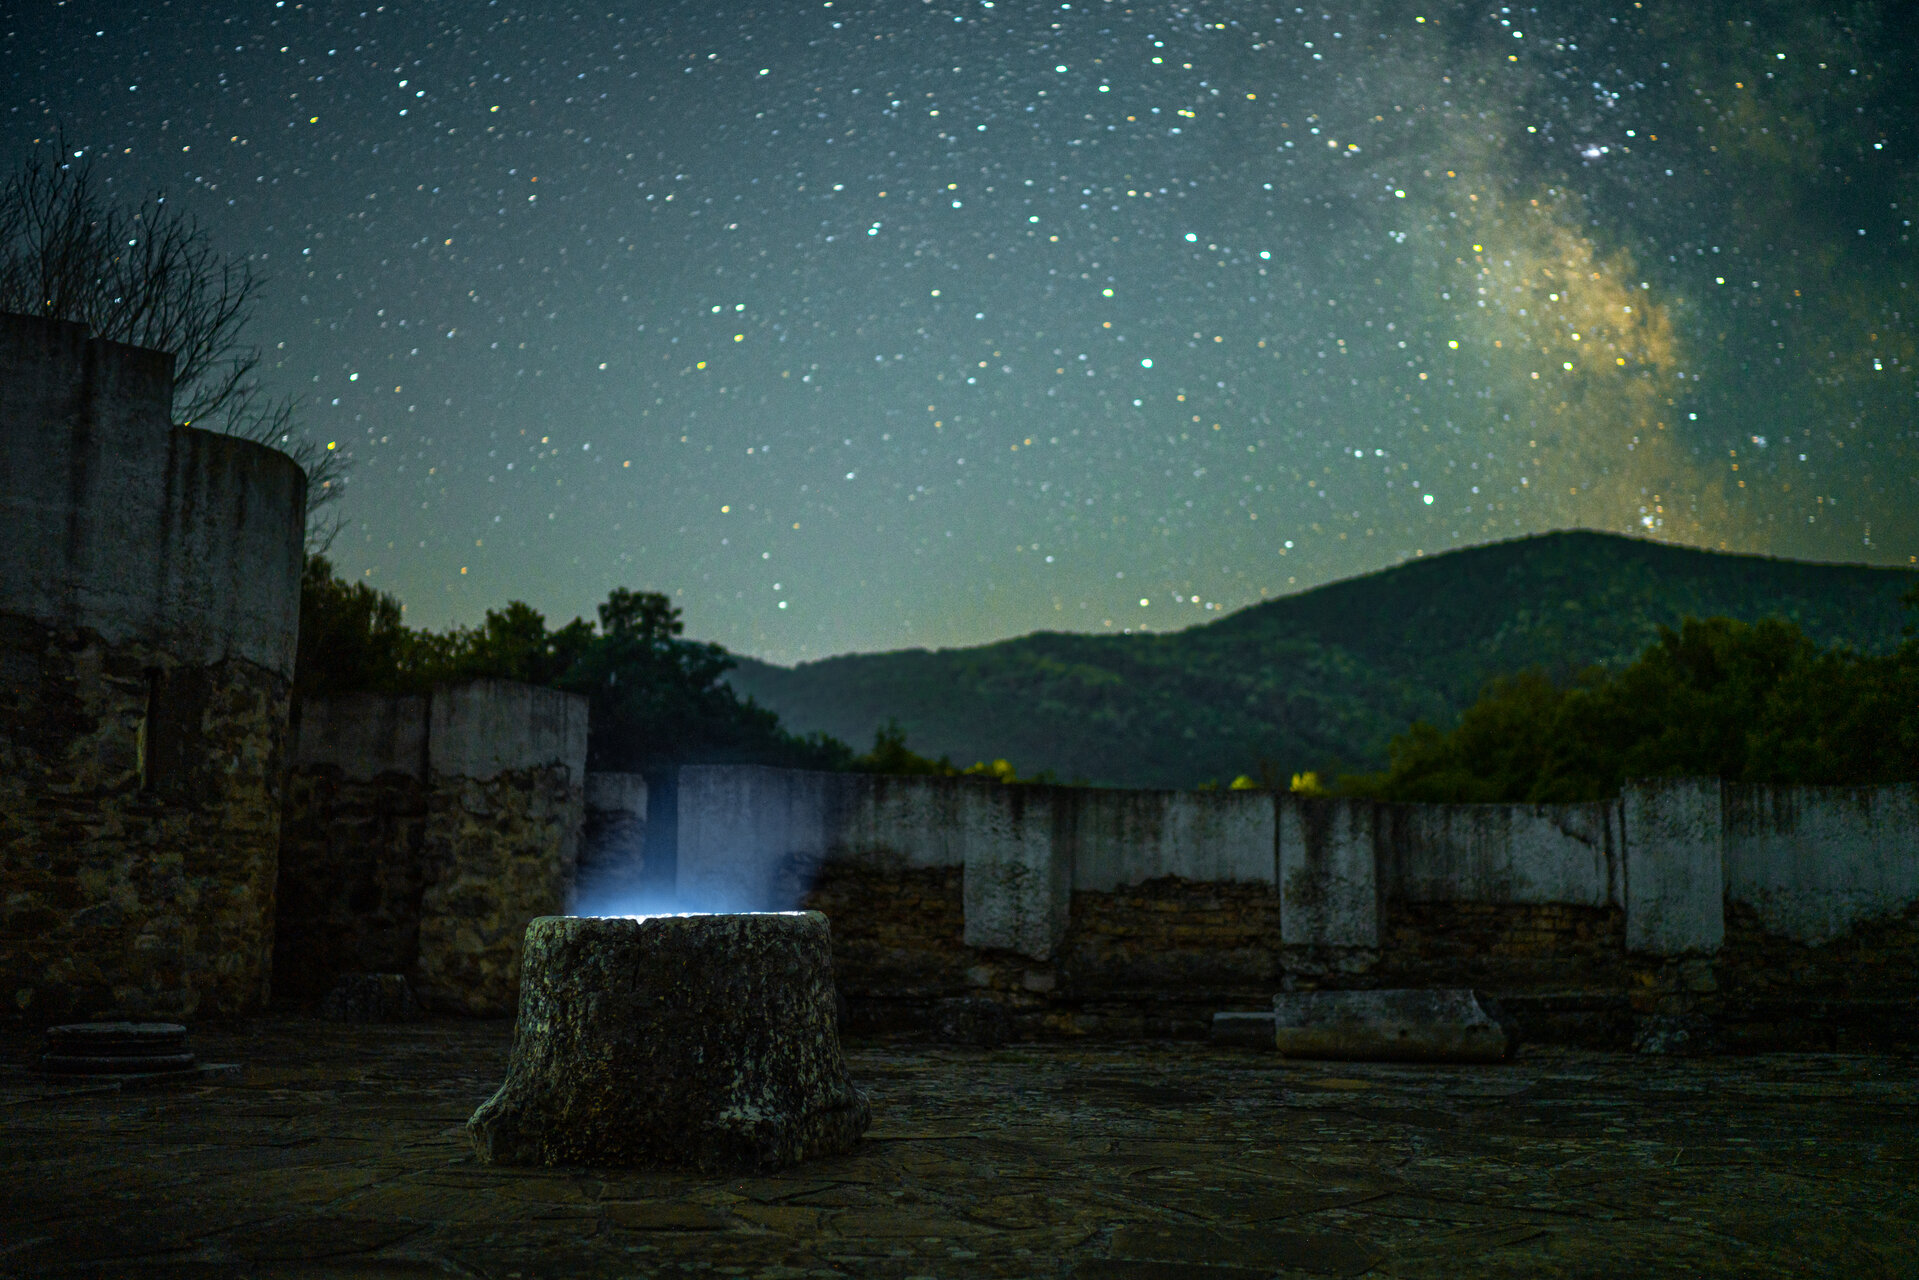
(739, 826)
(422, 834)
(1076, 910)
(490, 727)
(149, 596)
(1814, 862)
(116, 521)
(1675, 866)
(754, 837)
(1811, 861)
(1328, 884)
(363, 735)
(1515, 853)
(1122, 838)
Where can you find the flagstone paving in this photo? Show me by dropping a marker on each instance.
(340, 1151)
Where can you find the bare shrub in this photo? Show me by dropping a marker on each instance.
(148, 275)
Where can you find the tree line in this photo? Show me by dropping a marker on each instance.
(1714, 697)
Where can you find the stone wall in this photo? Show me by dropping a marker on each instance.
(983, 911)
(1821, 925)
(422, 834)
(1151, 959)
(149, 592)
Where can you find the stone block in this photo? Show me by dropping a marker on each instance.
(708, 1042)
(1453, 1025)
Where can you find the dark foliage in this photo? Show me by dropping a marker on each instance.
(1715, 698)
(351, 638)
(656, 698)
(890, 754)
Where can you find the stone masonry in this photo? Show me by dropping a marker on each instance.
(423, 834)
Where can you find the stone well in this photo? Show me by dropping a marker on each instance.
(707, 1042)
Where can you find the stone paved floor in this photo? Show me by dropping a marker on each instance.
(340, 1152)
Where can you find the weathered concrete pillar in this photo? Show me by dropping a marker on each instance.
(612, 877)
(1328, 885)
(1675, 866)
(1018, 880)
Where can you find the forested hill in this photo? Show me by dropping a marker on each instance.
(1322, 679)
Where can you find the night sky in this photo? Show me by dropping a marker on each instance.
(857, 326)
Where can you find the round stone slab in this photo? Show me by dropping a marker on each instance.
(74, 1064)
(706, 1042)
(90, 1037)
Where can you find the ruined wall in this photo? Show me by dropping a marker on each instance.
(422, 834)
(750, 838)
(149, 595)
(1813, 862)
(970, 909)
(899, 948)
(1821, 945)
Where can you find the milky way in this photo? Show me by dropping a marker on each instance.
(862, 326)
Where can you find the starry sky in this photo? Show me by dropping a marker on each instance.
(858, 326)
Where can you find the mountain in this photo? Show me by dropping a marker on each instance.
(1322, 679)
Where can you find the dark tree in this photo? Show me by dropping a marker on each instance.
(656, 698)
(352, 639)
(1714, 698)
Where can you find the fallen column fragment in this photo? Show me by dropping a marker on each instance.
(1448, 1025)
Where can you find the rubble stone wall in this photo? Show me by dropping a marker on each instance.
(498, 852)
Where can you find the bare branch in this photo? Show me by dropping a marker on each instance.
(149, 276)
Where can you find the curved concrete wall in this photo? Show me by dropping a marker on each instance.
(114, 520)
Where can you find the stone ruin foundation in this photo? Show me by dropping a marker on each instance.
(708, 1042)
